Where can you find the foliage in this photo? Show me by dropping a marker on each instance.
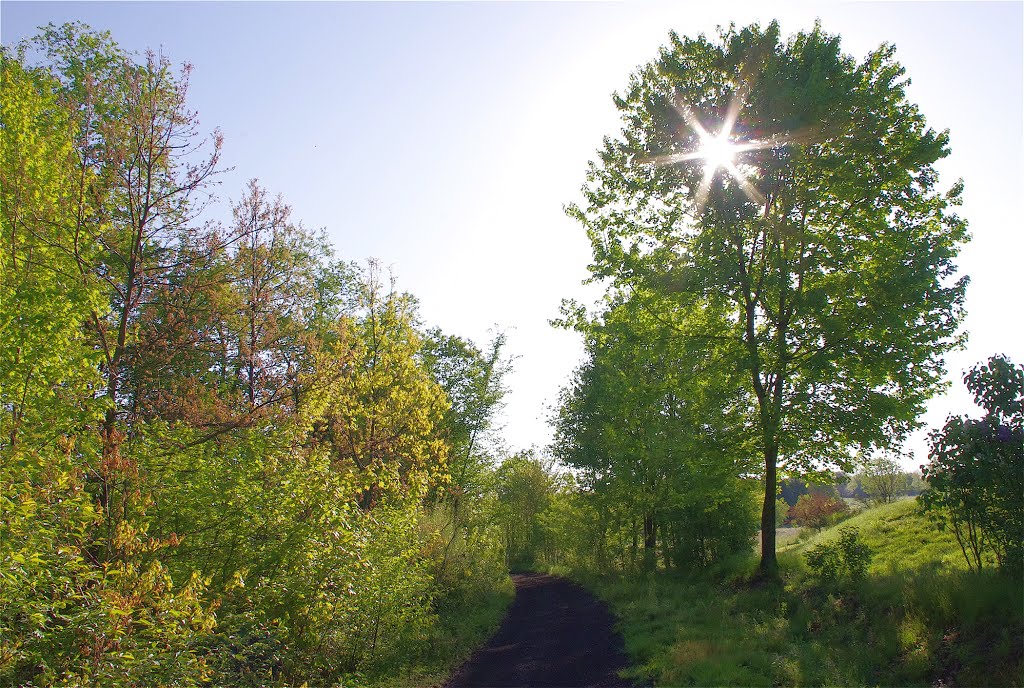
(916, 618)
(223, 453)
(821, 270)
(900, 538)
(976, 474)
(657, 436)
(817, 510)
(64, 618)
(524, 489)
(573, 528)
(883, 479)
(846, 557)
(790, 490)
(382, 410)
(472, 381)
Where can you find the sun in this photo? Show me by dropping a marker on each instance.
(717, 152)
(724, 150)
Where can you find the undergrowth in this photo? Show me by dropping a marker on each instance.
(916, 618)
(464, 623)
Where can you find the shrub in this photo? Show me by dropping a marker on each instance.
(781, 512)
(817, 510)
(846, 557)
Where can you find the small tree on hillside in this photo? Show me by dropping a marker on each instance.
(976, 474)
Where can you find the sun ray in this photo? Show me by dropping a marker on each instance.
(702, 192)
(721, 151)
(752, 192)
(690, 117)
(736, 103)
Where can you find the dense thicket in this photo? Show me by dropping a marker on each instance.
(225, 456)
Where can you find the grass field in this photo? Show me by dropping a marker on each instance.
(917, 617)
(899, 536)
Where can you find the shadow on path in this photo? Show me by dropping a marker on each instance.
(555, 634)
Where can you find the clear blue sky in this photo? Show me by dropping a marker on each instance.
(444, 139)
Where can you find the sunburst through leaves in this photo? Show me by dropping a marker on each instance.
(723, 150)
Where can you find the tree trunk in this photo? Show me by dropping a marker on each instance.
(650, 542)
(769, 563)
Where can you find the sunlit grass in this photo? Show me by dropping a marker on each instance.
(919, 618)
(900, 537)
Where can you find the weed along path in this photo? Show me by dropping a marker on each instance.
(555, 634)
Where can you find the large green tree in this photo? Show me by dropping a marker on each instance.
(788, 190)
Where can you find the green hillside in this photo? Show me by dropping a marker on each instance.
(917, 618)
(900, 538)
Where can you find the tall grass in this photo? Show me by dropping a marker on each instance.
(464, 623)
(917, 618)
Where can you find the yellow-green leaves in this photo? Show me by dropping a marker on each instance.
(381, 408)
(217, 443)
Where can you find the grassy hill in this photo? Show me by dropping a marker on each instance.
(917, 617)
(900, 538)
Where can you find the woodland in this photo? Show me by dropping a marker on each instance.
(229, 457)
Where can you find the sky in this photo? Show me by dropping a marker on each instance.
(444, 139)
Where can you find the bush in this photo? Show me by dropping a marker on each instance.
(817, 510)
(848, 557)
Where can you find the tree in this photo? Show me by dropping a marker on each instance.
(976, 471)
(44, 303)
(64, 617)
(143, 173)
(199, 418)
(524, 488)
(883, 479)
(819, 242)
(472, 383)
(381, 409)
(655, 428)
(273, 271)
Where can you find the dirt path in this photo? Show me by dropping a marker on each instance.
(555, 634)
